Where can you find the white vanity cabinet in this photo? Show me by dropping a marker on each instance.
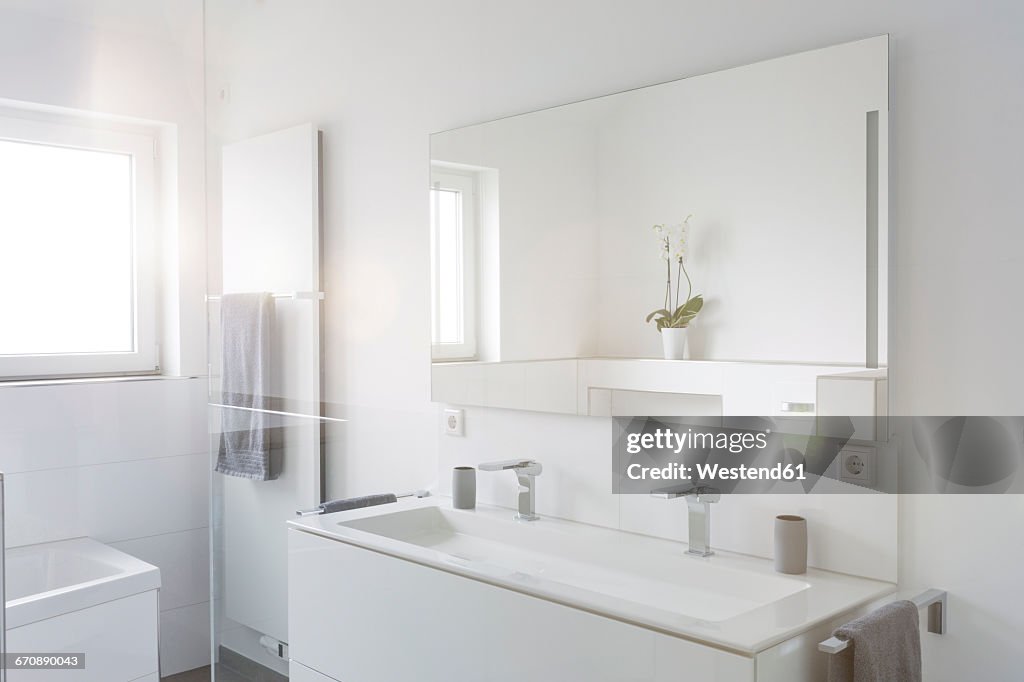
(356, 615)
(360, 616)
(420, 591)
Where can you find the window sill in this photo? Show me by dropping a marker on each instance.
(17, 383)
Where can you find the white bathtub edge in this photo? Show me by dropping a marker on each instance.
(133, 577)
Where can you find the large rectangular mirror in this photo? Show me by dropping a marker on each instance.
(769, 183)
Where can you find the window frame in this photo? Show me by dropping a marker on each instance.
(95, 134)
(467, 184)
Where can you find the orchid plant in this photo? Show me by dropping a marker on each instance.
(677, 312)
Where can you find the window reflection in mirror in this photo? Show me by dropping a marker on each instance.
(453, 220)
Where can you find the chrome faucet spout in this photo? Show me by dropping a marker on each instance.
(526, 471)
(698, 504)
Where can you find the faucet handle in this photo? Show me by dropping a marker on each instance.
(526, 467)
(702, 493)
(705, 493)
(526, 471)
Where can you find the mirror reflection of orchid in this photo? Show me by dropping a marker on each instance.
(677, 313)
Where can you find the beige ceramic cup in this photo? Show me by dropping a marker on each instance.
(790, 544)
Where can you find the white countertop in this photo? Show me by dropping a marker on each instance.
(731, 601)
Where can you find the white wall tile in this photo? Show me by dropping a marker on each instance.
(848, 533)
(655, 516)
(575, 451)
(61, 425)
(126, 463)
(184, 562)
(184, 638)
(108, 502)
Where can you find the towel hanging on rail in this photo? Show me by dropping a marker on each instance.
(247, 322)
(886, 646)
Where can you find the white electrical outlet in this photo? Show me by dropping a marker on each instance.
(453, 423)
(857, 465)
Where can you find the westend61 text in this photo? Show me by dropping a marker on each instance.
(717, 472)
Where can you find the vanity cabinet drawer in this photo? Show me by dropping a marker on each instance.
(359, 615)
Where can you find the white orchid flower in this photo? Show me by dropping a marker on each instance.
(673, 246)
(677, 240)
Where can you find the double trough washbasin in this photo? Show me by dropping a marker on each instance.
(603, 566)
(733, 601)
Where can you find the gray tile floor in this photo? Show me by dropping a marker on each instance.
(231, 667)
(197, 675)
(203, 675)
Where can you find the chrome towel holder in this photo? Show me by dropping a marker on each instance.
(933, 600)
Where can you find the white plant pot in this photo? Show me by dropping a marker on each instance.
(673, 340)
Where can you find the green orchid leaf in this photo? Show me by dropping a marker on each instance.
(694, 305)
(661, 311)
(681, 322)
(685, 313)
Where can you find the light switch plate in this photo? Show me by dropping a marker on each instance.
(454, 423)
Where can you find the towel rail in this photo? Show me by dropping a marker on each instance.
(311, 295)
(319, 510)
(933, 600)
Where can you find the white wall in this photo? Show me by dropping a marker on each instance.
(972, 546)
(379, 77)
(124, 462)
(140, 63)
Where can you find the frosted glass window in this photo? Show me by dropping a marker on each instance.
(67, 271)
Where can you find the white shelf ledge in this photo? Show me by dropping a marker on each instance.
(610, 386)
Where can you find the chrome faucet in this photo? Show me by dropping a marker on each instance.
(698, 503)
(527, 471)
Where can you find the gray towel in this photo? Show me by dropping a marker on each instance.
(885, 646)
(247, 323)
(357, 502)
